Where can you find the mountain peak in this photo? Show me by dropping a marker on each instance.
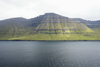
(53, 15)
(50, 13)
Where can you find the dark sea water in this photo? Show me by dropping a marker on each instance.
(49, 54)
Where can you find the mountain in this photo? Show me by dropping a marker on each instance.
(90, 24)
(53, 23)
(86, 22)
(49, 26)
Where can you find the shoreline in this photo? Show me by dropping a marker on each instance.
(49, 40)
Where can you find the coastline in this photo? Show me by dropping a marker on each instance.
(50, 40)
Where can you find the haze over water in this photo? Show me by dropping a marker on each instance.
(49, 54)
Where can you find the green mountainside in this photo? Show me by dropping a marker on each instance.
(49, 26)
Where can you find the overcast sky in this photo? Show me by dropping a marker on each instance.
(86, 9)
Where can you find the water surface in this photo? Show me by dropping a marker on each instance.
(49, 54)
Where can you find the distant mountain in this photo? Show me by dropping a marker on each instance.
(49, 26)
(90, 24)
(82, 21)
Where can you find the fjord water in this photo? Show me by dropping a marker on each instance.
(49, 54)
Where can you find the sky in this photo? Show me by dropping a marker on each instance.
(85, 9)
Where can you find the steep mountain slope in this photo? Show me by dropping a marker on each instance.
(53, 23)
(49, 26)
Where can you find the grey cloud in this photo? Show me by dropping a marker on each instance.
(33, 8)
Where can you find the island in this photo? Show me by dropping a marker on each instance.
(49, 27)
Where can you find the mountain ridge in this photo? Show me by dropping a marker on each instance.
(49, 26)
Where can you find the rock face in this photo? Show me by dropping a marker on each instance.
(53, 23)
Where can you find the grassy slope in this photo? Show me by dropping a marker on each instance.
(69, 36)
(57, 37)
(25, 33)
(87, 34)
(14, 31)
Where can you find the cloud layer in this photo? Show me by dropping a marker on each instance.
(86, 9)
